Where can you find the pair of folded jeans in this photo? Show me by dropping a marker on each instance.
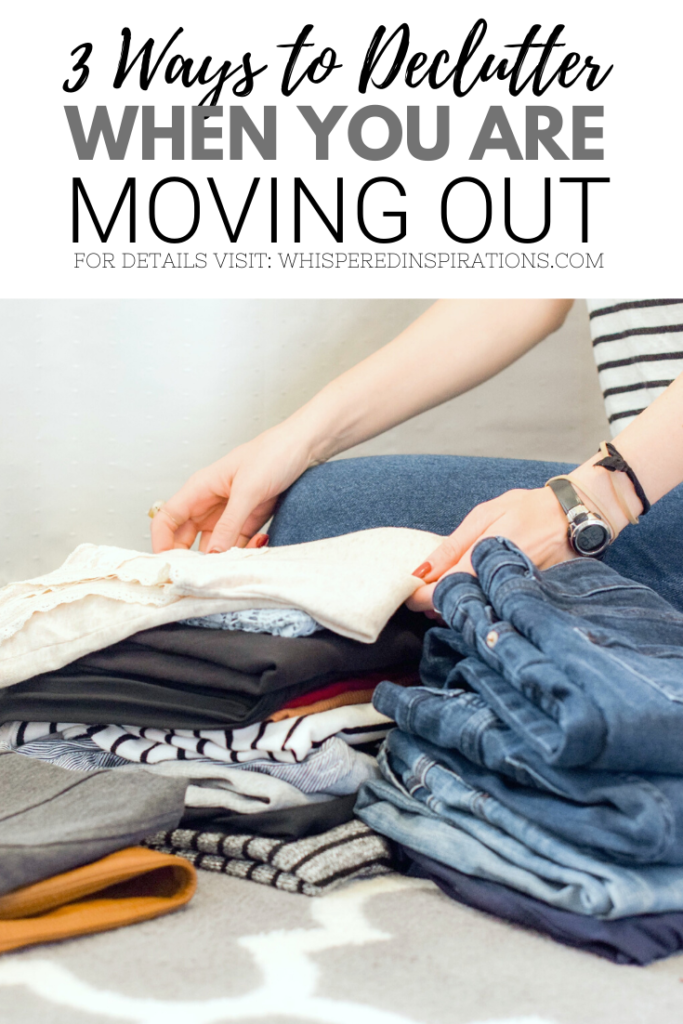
(631, 818)
(583, 665)
(428, 808)
(630, 940)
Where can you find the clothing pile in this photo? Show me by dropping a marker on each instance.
(538, 772)
(215, 708)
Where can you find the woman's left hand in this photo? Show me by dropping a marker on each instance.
(532, 519)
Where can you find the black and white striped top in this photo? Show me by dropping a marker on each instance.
(638, 347)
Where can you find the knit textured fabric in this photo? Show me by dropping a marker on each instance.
(102, 594)
(312, 866)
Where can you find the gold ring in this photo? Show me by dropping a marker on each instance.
(156, 507)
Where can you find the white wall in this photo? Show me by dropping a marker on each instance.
(107, 406)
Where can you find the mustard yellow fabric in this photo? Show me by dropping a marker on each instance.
(123, 888)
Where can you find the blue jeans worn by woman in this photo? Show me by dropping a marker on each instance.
(435, 492)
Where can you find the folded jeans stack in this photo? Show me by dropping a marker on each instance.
(543, 752)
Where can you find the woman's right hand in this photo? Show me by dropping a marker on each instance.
(230, 500)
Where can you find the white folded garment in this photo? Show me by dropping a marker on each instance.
(231, 788)
(350, 584)
(334, 770)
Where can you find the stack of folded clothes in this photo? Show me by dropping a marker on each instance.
(70, 863)
(243, 681)
(538, 772)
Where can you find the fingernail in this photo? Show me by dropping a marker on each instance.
(262, 540)
(423, 570)
(215, 551)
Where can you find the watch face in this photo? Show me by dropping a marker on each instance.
(591, 538)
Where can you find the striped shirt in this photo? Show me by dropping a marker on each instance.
(289, 741)
(638, 347)
(313, 866)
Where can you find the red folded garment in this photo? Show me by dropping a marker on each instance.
(364, 681)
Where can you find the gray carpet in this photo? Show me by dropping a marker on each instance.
(386, 951)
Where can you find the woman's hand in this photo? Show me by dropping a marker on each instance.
(532, 519)
(230, 500)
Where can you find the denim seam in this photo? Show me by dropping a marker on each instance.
(417, 697)
(387, 771)
(484, 720)
(664, 806)
(532, 582)
(609, 653)
(553, 707)
(476, 798)
(421, 769)
(667, 818)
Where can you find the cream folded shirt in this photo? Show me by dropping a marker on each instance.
(100, 595)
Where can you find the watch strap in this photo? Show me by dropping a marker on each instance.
(564, 491)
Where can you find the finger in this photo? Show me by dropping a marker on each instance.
(171, 516)
(205, 540)
(228, 531)
(464, 563)
(422, 599)
(185, 535)
(258, 517)
(453, 548)
(259, 540)
(435, 617)
(250, 530)
(206, 545)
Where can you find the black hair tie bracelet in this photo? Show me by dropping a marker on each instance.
(616, 463)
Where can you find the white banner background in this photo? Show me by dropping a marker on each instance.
(634, 221)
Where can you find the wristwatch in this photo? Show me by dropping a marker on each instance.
(588, 533)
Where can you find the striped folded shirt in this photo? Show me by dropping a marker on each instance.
(312, 866)
(289, 741)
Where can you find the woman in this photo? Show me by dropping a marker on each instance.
(452, 347)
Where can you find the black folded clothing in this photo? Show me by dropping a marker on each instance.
(184, 677)
(627, 940)
(285, 823)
